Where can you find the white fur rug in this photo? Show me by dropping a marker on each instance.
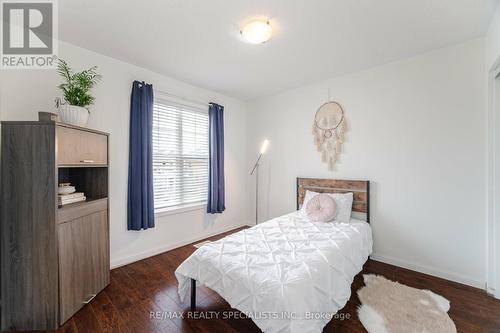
(391, 307)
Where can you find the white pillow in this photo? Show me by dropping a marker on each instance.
(343, 201)
(321, 208)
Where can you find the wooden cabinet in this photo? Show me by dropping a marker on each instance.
(83, 258)
(53, 259)
(79, 147)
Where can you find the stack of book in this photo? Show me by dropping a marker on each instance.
(64, 199)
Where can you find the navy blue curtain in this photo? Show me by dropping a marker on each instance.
(140, 214)
(216, 159)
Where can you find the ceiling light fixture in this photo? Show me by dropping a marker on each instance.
(257, 32)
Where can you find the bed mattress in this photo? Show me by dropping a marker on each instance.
(287, 274)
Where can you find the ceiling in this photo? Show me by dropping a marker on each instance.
(198, 41)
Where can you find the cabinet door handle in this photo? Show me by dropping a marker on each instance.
(89, 298)
(87, 161)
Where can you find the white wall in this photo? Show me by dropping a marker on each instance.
(493, 40)
(23, 93)
(494, 184)
(417, 131)
(493, 98)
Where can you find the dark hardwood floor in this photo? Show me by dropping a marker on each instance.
(148, 288)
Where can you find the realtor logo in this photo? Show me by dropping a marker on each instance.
(28, 34)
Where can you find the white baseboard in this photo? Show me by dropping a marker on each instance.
(452, 276)
(146, 254)
(493, 293)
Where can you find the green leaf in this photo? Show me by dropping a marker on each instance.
(76, 89)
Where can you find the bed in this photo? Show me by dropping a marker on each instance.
(287, 274)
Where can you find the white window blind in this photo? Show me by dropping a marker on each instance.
(180, 155)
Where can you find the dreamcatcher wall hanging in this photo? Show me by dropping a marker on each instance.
(328, 129)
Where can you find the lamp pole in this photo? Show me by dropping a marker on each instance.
(256, 171)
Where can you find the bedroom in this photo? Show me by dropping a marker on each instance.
(417, 88)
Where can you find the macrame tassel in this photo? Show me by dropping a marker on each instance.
(340, 134)
(319, 140)
(331, 163)
(342, 130)
(328, 139)
(337, 146)
(329, 145)
(314, 129)
(316, 142)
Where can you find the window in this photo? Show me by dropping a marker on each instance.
(180, 155)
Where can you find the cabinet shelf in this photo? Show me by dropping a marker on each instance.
(81, 203)
(76, 210)
(92, 181)
(83, 165)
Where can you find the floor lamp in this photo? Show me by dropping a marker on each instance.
(255, 170)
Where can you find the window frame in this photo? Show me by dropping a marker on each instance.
(190, 206)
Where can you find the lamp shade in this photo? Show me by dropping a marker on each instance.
(263, 148)
(257, 32)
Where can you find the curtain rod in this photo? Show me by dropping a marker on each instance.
(182, 98)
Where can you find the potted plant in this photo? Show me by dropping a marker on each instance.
(73, 108)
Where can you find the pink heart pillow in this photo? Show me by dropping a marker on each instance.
(321, 208)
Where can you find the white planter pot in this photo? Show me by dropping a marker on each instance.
(73, 115)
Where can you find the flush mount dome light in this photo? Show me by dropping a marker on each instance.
(257, 32)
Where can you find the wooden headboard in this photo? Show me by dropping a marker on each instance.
(359, 188)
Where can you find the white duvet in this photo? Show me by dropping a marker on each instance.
(287, 274)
